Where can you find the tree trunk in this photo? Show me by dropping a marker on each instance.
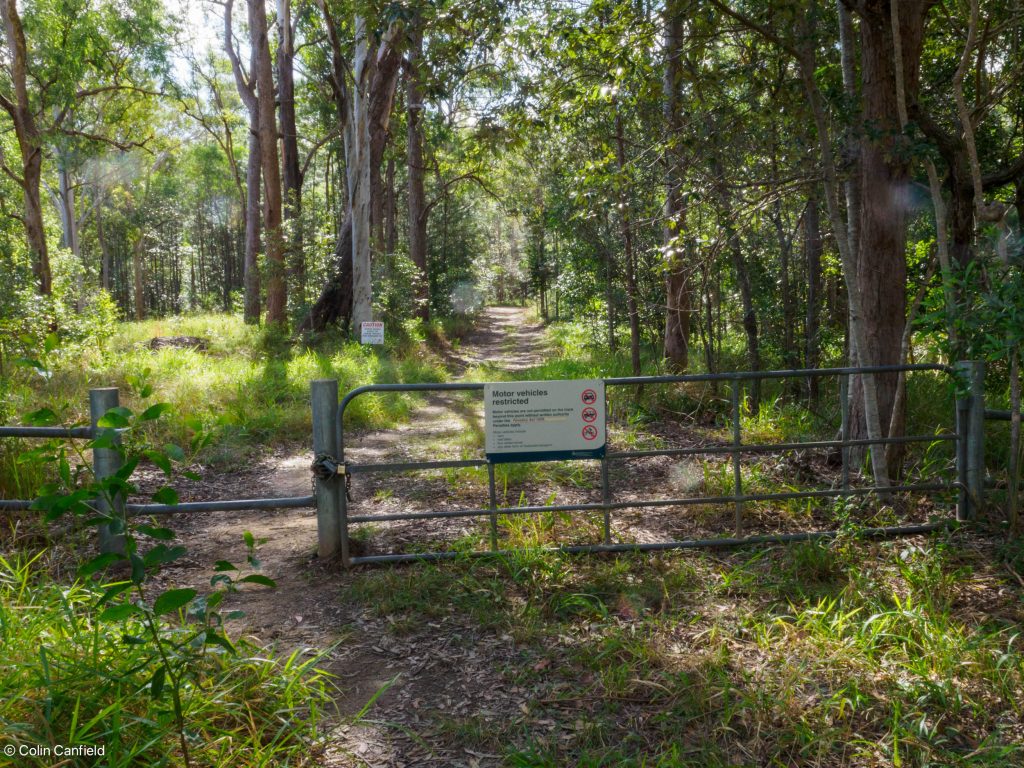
(390, 208)
(334, 304)
(105, 261)
(290, 174)
(678, 301)
(627, 240)
(739, 264)
(251, 267)
(277, 290)
(138, 278)
(416, 171)
(69, 228)
(247, 92)
(812, 253)
(885, 184)
(335, 301)
(29, 143)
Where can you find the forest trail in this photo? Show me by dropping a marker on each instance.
(448, 669)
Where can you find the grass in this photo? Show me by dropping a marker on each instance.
(70, 679)
(248, 389)
(846, 653)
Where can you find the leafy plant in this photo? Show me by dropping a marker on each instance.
(172, 629)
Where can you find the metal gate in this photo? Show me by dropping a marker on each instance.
(963, 432)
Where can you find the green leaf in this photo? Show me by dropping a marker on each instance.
(98, 563)
(174, 452)
(172, 600)
(113, 591)
(28, 362)
(156, 684)
(51, 342)
(162, 534)
(217, 639)
(119, 612)
(115, 418)
(145, 391)
(258, 578)
(154, 411)
(160, 460)
(224, 565)
(138, 568)
(191, 475)
(161, 554)
(44, 417)
(105, 440)
(166, 495)
(250, 540)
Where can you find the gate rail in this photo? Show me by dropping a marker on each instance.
(967, 436)
(332, 473)
(106, 462)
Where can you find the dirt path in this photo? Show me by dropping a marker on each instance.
(450, 675)
(447, 668)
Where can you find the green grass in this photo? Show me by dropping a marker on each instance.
(69, 678)
(816, 654)
(249, 390)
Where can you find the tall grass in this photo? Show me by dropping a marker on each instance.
(247, 389)
(68, 678)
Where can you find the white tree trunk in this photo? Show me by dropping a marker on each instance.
(357, 150)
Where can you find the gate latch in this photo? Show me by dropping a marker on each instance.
(325, 467)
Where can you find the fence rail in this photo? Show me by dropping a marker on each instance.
(107, 461)
(330, 488)
(964, 435)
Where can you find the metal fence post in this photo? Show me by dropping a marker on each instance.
(973, 372)
(330, 521)
(105, 463)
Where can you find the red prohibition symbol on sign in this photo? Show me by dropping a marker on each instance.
(589, 396)
(590, 432)
(589, 414)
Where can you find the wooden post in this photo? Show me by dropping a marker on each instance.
(106, 462)
(973, 373)
(324, 399)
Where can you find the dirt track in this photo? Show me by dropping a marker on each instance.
(447, 667)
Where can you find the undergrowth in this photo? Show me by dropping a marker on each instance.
(69, 678)
(247, 389)
(815, 654)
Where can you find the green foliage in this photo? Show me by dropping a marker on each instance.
(820, 653)
(171, 648)
(72, 676)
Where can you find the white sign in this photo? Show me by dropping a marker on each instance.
(536, 420)
(372, 333)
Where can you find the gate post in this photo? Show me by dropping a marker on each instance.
(324, 401)
(973, 431)
(105, 463)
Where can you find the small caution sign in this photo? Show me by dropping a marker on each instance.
(372, 333)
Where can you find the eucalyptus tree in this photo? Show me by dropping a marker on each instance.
(245, 82)
(59, 56)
